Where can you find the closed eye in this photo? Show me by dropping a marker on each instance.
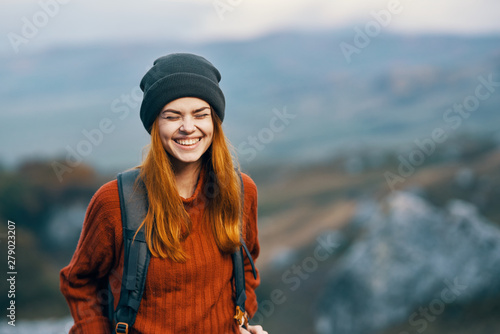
(172, 118)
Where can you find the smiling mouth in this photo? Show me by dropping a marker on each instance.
(187, 142)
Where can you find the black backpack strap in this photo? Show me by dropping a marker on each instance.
(241, 213)
(239, 271)
(134, 207)
(239, 284)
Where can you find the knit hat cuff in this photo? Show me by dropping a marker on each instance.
(179, 85)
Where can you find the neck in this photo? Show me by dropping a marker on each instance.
(186, 177)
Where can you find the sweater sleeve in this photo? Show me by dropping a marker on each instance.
(84, 281)
(252, 242)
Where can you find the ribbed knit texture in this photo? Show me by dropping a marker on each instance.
(192, 297)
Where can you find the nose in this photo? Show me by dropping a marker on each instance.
(187, 125)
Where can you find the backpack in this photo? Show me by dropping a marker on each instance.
(134, 207)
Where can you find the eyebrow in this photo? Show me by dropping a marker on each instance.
(178, 112)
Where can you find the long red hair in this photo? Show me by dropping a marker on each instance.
(167, 222)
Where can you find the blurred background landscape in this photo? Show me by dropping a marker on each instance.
(377, 167)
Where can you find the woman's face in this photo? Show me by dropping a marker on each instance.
(186, 129)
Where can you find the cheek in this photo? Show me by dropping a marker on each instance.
(208, 129)
(166, 134)
(210, 134)
(166, 130)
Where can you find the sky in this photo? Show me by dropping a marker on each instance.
(27, 26)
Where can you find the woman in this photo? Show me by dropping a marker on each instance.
(193, 220)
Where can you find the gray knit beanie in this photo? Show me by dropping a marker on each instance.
(180, 75)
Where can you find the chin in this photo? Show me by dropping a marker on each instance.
(187, 160)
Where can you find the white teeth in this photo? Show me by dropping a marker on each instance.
(187, 142)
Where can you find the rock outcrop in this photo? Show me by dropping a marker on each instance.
(409, 262)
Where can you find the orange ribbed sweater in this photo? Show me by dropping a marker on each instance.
(192, 297)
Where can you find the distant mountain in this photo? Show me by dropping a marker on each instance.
(393, 91)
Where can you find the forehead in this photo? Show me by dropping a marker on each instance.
(186, 104)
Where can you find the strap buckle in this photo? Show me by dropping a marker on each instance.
(241, 317)
(121, 327)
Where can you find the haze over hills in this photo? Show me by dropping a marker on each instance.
(395, 90)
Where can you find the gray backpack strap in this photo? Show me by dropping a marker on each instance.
(239, 271)
(134, 207)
